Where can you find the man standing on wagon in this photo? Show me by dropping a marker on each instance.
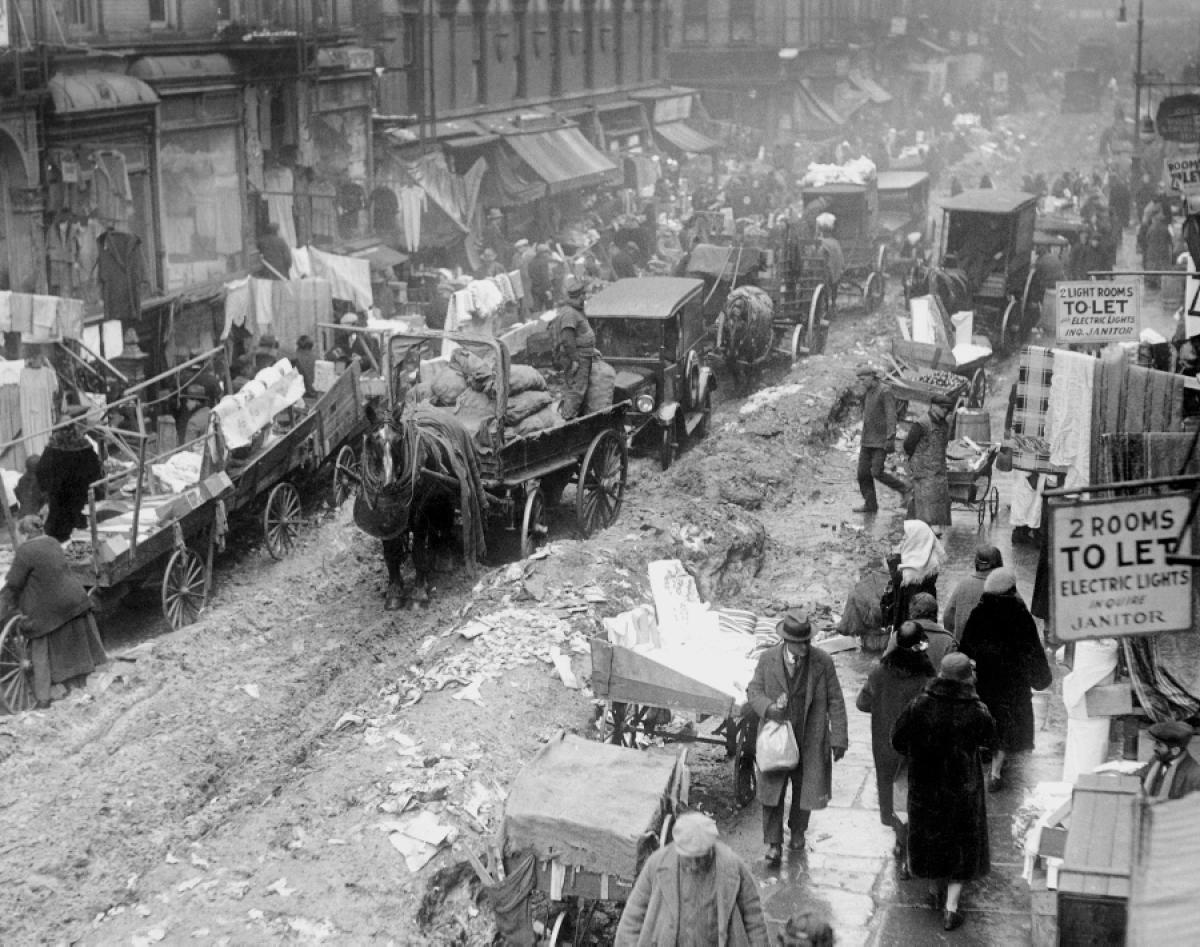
(574, 348)
(798, 684)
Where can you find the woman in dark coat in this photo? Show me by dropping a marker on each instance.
(64, 643)
(942, 733)
(1002, 639)
(69, 465)
(900, 675)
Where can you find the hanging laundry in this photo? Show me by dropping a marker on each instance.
(10, 414)
(263, 307)
(70, 318)
(39, 388)
(301, 263)
(121, 276)
(350, 277)
(412, 206)
(22, 313)
(45, 318)
(62, 251)
(279, 193)
(1068, 428)
(238, 305)
(5, 310)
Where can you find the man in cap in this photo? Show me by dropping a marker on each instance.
(831, 249)
(797, 683)
(541, 279)
(967, 593)
(878, 438)
(574, 347)
(195, 424)
(522, 254)
(493, 237)
(925, 448)
(1173, 772)
(489, 264)
(693, 891)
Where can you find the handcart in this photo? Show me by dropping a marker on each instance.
(970, 481)
(640, 690)
(588, 815)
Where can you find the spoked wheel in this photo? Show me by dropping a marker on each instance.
(745, 781)
(534, 528)
(993, 504)
(347, 475)
(1010, 326)
(553, 939)
(799, 344)
(183, 588)
(881, 266)
(16, 669)
(619, 723)
(818, 320)
(873, 291)
(720, 331)
(281, 520)
(666, 446)
(977, 392)
(601, 483)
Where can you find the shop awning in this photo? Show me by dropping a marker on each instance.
(878, 94)
(815, 113)
(1014, 50)
(563, 159)
(73, 93)
(184, 70)
(682, 136)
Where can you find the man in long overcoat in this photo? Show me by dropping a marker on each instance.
(798, 683)
(925, 448)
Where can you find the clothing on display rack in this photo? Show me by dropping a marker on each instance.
(412, 206)
(22, 313)
(350, 277)
(1069, 429)
(39, 388)
(121, 276)
(238, 303)
(70, 318)
(62, 252)
(263, 304)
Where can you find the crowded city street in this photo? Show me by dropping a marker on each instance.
(687, 498)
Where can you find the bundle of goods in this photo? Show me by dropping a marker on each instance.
(244, 415)
(965, 456)
(468, 385)
(917, 384)
(855, 171)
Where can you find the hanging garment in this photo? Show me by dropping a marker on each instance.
(70, 318)
(1035, 372)
(121, 276)
(62, 251)
(264, 304)
(412, 205)
(350, 277)
(279, 194)
(5, 310)
(45, 318)
(10, 418)
(39, 387)
(301, 263)
(22, 313)
(88, 253)
(1068, 424)
(238, 305)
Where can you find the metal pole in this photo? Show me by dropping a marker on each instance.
(1135, 161)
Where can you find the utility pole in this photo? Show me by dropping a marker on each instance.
(1135, 161)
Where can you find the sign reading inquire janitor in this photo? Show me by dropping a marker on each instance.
(1098, 312)
(1109, 575)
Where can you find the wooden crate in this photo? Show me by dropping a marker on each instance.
(1109, 700)
(1094, 882)
(1043, 908)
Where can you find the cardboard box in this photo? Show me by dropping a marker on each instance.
(215, 486)
(1109, 700)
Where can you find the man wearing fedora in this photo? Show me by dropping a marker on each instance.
(1173, 772)
(797, 683)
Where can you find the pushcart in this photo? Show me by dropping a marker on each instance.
(588, 815)
(971, 486)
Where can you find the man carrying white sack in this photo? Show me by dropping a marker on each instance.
(797, 684)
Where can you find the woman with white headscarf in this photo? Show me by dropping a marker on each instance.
(914, 568)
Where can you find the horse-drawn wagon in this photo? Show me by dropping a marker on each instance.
(856, 229)
(488, 459)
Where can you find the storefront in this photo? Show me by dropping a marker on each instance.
(200, 167)
(624, 127)
(100, 190)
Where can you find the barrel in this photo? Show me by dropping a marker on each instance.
(974, 423)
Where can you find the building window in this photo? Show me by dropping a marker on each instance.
(78, 13)
(741, 22)
(695, 22)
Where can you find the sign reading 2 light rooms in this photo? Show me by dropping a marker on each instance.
(1097, 312)
(1108, 567)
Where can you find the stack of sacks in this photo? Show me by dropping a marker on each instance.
(274, 389)
(179, 471)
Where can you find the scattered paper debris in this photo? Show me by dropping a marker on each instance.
(281, 888)
(471, 692)
(252, 690)
(562, 664)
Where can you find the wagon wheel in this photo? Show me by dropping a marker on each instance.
(692, 376)
(720, 330)
(1031, 309)
(601, 482)
(183, 587)
(977, 391)
(993, 503)
(981, 510)
(705, 424)
(745, 782)
(799, 344)
(533, 524)
(881, 262)
(873, 292)
(281, 519)
(666, 446)
(555, 931)
(1009, 325)
(347, 475)
(16, 668)
(818, 320)
(619, 724)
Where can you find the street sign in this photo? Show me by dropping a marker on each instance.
(1178, 118)
(1097, 312)
(1109, 575)
(1185, 174)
